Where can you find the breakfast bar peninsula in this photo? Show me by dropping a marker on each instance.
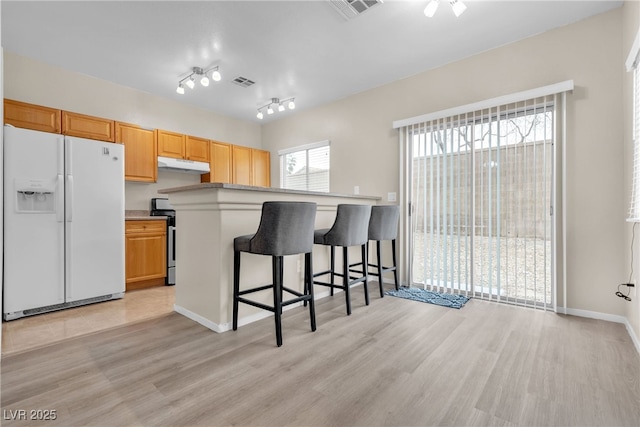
(208, 217)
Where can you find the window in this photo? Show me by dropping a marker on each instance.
(480, 184)
(632, 66)
(306, 167)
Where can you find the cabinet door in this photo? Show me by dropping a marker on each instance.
(171, 144)
(30, 116)
(242, 170)
(74, 124)
(145, 248)
(220, 163)
(140, 155)
(261, 168)
(197, 149)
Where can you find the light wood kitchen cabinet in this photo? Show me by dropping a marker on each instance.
(242, 170)
(197, 149)
(260, 168)
(140, 152)
(171, 144)
(31, 116)
(146, 253)
(90, 127)
(220, 163)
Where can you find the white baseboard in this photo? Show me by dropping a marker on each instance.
(632, 334)
(224, 327)
(199, 319)
(609, 318)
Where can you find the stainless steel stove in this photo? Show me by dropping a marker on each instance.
(162, 207)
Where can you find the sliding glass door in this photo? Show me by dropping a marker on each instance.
(482, 197)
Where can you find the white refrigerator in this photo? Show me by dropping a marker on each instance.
(63, 222)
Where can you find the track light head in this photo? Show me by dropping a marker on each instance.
(180, 89)
(260, 115)
(204, 81)
(190, 82)
(281, 107)
(216, 75)
(292, 105)
(431, 8)
(458, 7)
(269, 110)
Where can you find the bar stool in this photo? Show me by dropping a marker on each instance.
(349, 229)
(286, 228)
(383, 225)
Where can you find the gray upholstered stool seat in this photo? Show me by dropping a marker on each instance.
(286, 228)
(383, 225)
(349, 229)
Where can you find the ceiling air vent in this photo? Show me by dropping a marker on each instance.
(243, 81)
(349, 9)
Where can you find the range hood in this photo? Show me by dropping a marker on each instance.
(179, 165)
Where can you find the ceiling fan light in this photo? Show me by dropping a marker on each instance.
(216, 76)
(431, 8)
(191, 83)
(292, 105)
(260, 115)
(458, 7)
(204, 81)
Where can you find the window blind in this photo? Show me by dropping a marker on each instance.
(306, 168)
(634, 207)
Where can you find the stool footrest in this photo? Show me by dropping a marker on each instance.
(258, 289)
(257, 304)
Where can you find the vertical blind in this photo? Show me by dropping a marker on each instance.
(632, 66)
(480, 184)
(306, 168)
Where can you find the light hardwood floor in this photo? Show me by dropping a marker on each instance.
(395, 362)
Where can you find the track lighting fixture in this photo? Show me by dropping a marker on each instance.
(279, 103)
(457, 6)
(204, 79)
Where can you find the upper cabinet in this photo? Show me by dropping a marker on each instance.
(171, 144)
(82, 126)
(220, 163)
(30, 116)
(140, 153)
(197, 149)
(242, 170)
(261, 168)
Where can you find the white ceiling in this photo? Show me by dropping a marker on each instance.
(301, 49)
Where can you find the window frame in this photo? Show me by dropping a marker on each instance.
(304, 148)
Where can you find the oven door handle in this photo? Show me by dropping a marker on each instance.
(171, 245)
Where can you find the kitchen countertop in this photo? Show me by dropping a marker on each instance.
(218, 185)
(140, 215)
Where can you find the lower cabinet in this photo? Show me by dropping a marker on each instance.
(146, 253)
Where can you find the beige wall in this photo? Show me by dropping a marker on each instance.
(631, 26)
(39, 83)
(364, 147)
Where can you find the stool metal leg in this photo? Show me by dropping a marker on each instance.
(395, 266)
(366, 273)
(308, 278)
(345, 278)
(333, 267)
(379, 255)
(236, 287)
(277, 296)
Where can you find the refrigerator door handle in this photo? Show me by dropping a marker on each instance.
(69, 198)
(60, 198)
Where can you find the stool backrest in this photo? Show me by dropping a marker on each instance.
(384, 222)
(350, 227)
(286, 228)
